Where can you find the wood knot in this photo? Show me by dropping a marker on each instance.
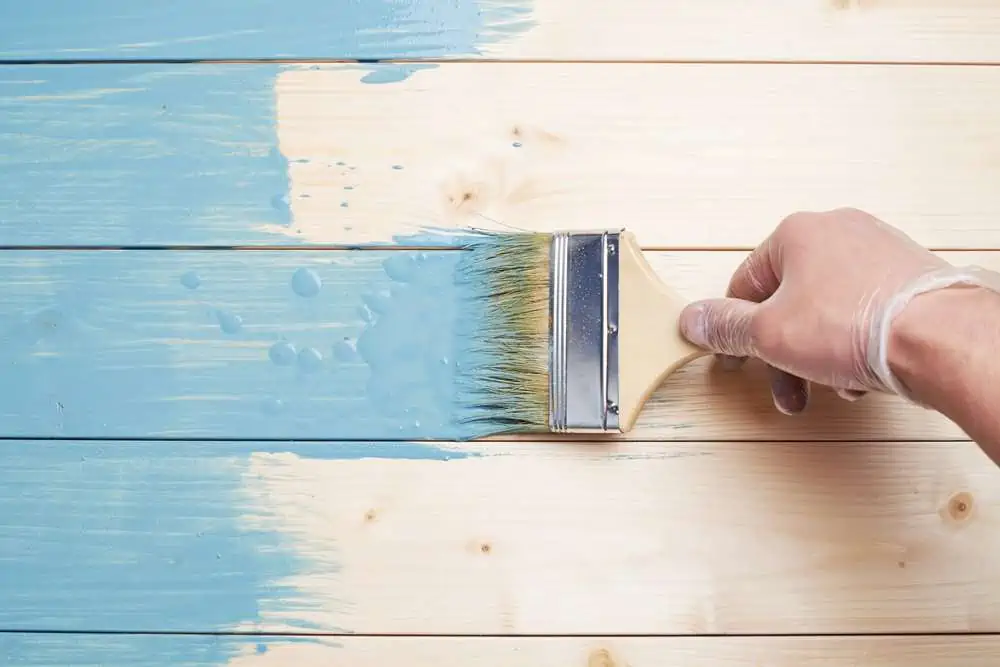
(960, 506)
(600, 658)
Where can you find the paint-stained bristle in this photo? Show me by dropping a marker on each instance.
(504, 319)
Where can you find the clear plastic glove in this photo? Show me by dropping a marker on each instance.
(815, 302)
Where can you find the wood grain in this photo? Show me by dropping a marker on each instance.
(529, 538)
(814, 30)
(328, 344)
(687, 156)
(270, 651)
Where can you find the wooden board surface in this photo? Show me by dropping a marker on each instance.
(331, 345)
(530, 538)
(47, 650)
(687, 156)
(825, 30)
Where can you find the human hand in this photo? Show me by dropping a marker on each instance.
(814, 301)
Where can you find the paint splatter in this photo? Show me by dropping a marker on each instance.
(306, 283)
(228, 322)
(282, 354)
(191, 280)
(310, 360)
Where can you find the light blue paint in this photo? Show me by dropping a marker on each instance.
(116, 650)
(112, 344)
(243, 29)
(142, 536)
(139, 154)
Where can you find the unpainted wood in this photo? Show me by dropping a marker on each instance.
(687, 156)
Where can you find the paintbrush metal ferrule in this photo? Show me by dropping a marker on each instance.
(583, 345)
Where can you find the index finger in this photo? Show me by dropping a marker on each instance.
(758, 275)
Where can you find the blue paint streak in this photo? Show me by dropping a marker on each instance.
(139, 536)
(235, 29)
(113, 344)
(139, 154)
(51, 650)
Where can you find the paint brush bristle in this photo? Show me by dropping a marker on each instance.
(505, 322)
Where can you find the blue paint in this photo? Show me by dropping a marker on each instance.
(191, 280)
(392, 73)
(379, 352)
(306, 282)
(139, 154)
(282, 354)
(116, 650)
(140, 536)
(239, 29)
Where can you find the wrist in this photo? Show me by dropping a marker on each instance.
(933, 340)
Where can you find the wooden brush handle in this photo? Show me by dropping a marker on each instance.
(650, 345)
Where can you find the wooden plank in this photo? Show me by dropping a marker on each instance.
(48, 650)
(826, 30)
(530, 538)
(330, 345)
(688, 156)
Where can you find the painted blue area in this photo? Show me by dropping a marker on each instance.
(115, 650)
(115, 344)
(138, 154)
(140, 536)
(237, 29)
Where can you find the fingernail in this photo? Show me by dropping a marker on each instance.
(693, 324)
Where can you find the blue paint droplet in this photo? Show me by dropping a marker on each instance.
(229, 323)
(300, 161)
(345, 351)
(310, 360)
(282, 354)
(517, 144)
(341, 164)
(305, 195)
(343, 204)
(191, 280)
(399, 267)
(280, 203)
(261, 648)
(306, 283)
(397, 167)
(348, 187)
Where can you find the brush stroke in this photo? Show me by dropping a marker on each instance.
(138, 154)
(141, 536)
(246, 29)
(329, 345)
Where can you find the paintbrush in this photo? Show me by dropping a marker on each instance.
(569, 332)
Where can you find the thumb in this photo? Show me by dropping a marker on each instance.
(721, 326)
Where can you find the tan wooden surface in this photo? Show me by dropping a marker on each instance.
(615, 652)
(687, 156)
(778, 30)
(658, 538)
